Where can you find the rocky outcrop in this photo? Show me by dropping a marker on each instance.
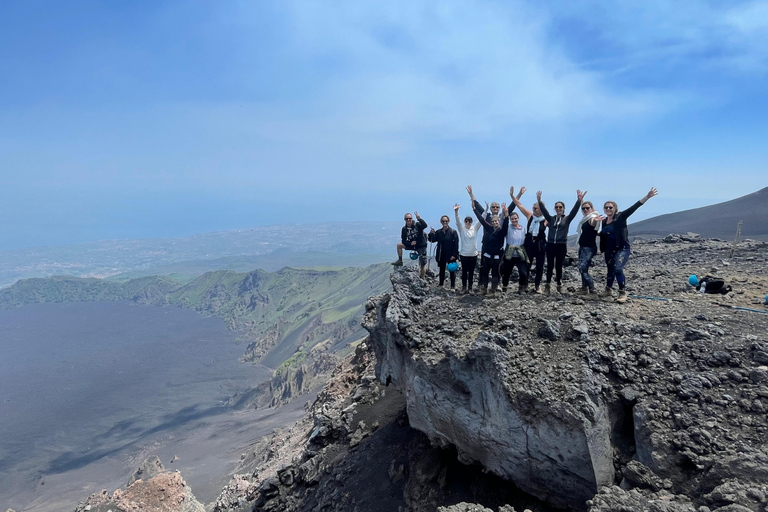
(163, 492)
(657, 404)
(530, 430)
(587, 403)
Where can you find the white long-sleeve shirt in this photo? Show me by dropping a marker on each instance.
(467, 236)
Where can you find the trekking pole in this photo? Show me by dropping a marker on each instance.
(737, 239)
(655, 298)
(740, 308)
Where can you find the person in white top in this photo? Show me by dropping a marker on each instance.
(515, 255)
(467, 250)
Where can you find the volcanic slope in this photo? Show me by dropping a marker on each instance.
(541, 402)
(293, 320)
(715, 221)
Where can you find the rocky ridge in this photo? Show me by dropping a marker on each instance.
(656, 404)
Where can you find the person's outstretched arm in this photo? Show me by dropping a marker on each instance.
(519, 205)
(543, 208)
(579, 199)
(632, 209)
(459, 226)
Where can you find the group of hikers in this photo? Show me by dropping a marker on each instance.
(545, 235)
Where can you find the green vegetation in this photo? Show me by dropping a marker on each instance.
(282, 315)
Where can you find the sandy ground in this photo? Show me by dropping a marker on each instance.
(88, 390)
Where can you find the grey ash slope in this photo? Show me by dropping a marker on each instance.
(714, 221)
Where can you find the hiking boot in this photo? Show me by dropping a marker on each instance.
(491, 294)
(463, 290)
(547, 289)
(606, 293)
(423, 272)
(522, 290)
(622, 296)
(398, 263)
(504, 289)
(537, 289)
(559, 289)
(592, 294)
(584, 291)
(482, 291)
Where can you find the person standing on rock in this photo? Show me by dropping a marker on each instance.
(614, 242)
(468, 250)
(535, 239)
(492, 250)
(447, 248)
(587, 236)
(515, 255)
(412, 238)
(557, 239)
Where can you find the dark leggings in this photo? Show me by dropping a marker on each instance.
(585, 260)
(522, 270)
(441, 265)
(555, 258)
(468, 264)
(490, 265)
(616, 259)
(536, 254)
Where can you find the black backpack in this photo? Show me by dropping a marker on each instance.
(713, 285)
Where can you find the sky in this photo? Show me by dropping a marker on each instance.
(162, 119)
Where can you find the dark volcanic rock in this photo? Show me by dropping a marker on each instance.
(658, 404)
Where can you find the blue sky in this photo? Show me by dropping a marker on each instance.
(147, 119)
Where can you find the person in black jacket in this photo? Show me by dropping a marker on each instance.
(614, 242)
(535, 239)
(447, 248)
(493, 250)
(412, 238)
(557, 240)
(587, 237)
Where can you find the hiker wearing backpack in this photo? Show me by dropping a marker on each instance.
(535, 239)
(614, 242)
(557, 240)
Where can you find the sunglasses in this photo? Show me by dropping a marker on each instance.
(607, 207)
(443, 222)
(585, 208)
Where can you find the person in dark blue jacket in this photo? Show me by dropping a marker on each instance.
(614, 242)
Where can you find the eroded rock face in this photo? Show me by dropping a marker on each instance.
(665, 400)
(528, 430)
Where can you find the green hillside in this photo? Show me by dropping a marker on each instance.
(282, 315)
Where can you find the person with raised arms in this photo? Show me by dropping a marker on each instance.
(468, 249)
(557, 239)
(535, 239)
(614, 242)
(514, 254)
(492, 247)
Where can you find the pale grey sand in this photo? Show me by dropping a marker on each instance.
(89, 389)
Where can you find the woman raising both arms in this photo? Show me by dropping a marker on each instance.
(615, 243)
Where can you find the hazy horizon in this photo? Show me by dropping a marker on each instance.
(159, 119)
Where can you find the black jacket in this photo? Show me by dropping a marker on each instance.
(620, 238)
(493, 242)
(415, 232)
(559, 224)
(447, 244)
